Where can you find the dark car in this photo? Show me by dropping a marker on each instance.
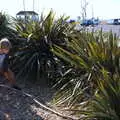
(87, 23)
(95, 21)
(116, 21)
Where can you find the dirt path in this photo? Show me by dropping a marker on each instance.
(16, 106)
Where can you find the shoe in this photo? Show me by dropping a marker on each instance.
(16, 87)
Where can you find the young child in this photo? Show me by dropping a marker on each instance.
(5, 47)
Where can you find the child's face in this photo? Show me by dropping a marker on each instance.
(4, 50)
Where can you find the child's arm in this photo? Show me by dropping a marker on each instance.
(4, 69)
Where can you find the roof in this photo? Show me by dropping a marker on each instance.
(26, 12)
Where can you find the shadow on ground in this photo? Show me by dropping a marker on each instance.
(16, 106)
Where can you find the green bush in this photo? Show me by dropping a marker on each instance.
(88, 53)
(34, 55)
(104, 105)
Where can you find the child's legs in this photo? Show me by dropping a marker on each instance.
(9, 75)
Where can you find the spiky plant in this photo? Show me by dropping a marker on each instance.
(6, 28)
(34, 55)
(88, 53)
(105, 103)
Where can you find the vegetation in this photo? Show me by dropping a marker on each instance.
(104, 104)
(6, 28)
(89, 53)
(83, 66)
(95, 56)
(34, 51)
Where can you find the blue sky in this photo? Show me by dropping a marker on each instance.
(104, 9)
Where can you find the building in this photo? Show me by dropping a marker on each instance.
(27, 15)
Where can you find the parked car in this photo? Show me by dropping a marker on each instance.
(87, 22)
(116, 21)
(95, 21)
(90, 22)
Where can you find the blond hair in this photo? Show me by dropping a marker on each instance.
(5, 44)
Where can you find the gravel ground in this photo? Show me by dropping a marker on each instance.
(16, 106)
